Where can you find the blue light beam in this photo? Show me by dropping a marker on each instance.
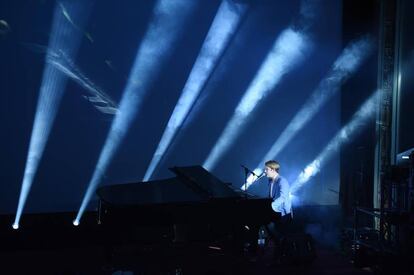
(65, 37)
(358, 121)
(167, 24)
(345, 65)
(222, 29)
(251, 179)
(309, 10)
(288, 51)
(351, 58)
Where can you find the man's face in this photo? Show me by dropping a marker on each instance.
(270, 173)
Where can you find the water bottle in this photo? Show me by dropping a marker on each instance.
(261, 239)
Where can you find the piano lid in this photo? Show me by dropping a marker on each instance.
(192, 184)
(202, 180)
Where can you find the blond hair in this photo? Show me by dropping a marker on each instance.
(273, 165)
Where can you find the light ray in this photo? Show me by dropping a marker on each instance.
(52, 88)
(346, 64)
(167, 24)
(358, 121)
(288, 50)
(223, 27)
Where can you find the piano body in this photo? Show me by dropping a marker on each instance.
(193, 206)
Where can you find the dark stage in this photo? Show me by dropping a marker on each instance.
(49, 244)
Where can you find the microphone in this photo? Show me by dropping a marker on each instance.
(261, 175)
(253, 173)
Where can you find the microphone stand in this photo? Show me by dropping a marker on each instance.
(247, 171)
(246, 175)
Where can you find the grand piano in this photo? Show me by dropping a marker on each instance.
(193, 205)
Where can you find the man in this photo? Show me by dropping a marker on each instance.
(281, 204)
(278, 190)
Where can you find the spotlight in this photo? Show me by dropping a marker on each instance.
(359, 120)
(75, 222)
(168, 21)
(288, 50)
(222, 29)
(405, 157)
(15, 226)
(345, 65)
(63, 37)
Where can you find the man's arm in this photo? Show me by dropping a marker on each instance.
(279, 203)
